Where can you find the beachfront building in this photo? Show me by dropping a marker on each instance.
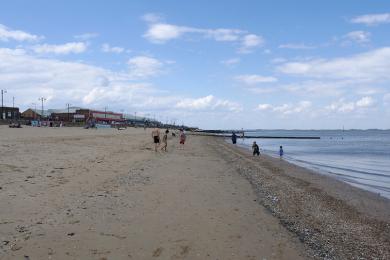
(9, 113)
(71, 114)
(34, 114)
(107, 117)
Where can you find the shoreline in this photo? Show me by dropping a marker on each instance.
(329, 173)
(332, 218)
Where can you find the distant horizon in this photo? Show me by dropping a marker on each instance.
(334, 129)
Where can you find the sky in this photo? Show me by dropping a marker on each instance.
(212, 64)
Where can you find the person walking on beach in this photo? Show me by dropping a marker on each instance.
(256, 149)
(165, 141)
(156, 138)
(182, 138)
(234, 138)
(281, 151)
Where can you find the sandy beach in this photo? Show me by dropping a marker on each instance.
(71, 193)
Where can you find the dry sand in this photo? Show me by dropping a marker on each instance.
(72, 193)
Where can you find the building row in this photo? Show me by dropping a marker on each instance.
(9, 113)
(72, 114)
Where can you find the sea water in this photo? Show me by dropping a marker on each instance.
(358, 157)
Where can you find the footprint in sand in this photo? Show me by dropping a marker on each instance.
(184, 250)
(157, 252)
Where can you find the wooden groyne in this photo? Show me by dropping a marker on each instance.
(255, 136)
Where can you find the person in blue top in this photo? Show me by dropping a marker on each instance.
(281, 151)
(234, 138)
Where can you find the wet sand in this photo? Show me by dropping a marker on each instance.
(72, 193)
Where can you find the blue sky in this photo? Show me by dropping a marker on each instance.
(212, 64)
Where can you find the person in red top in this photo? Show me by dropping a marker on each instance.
(182, 138)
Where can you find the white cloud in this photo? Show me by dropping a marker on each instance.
(163, 32)
(114, 49)
(253, 79)
(365, 102)
(231, 62)
(349, 106)
(160, 32)
(207, 103)
(61, 82)
(286, 109)
(227, 105)
(250, 42)
(143, 66)
(262, 107)
(358, 36)
(67, 48)
(373, 65)
(372, 19)
(296, 46)
(222, 35)
(341, 106)
(7, 34)
(86, 36)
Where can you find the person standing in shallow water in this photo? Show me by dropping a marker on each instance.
(156, 138)
(256, 149)
(165, 141)
(281, 152)
(234, 138)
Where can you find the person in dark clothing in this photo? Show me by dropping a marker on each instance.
(234, 138)
(256, 149)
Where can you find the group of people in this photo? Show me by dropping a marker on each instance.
(256, 150)
(255, 146)
(164, 141)
(14, 125)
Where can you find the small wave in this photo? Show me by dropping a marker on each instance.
(342, 168)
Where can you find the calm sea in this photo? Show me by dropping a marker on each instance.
(358, 157)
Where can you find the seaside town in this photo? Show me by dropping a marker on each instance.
(195, 130)
(77, 116)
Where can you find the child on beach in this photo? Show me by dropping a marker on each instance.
(165, 140)
(281, 151)
(182, 138)
(256, 149)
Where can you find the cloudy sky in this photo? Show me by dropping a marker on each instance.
(213, 64)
